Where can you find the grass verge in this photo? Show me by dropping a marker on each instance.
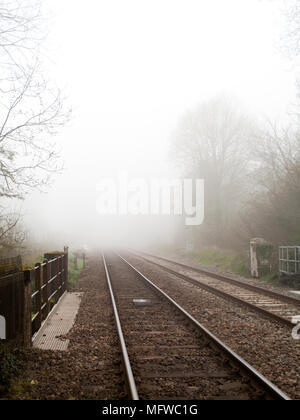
(224, 259)
(74, 271)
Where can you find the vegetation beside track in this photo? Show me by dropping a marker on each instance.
(74, 271)
(231, 261)
(224, 259)
(30, 262)
(274, 278)
(11, 362)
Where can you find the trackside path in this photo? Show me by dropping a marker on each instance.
(89, 369)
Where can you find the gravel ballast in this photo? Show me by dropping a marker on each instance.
(265, 344)
(90, 368)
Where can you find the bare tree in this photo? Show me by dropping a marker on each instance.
(212, 142)
(12, 235)
(272, 210)
(31, 107)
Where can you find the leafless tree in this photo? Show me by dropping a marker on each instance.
(212, 142)
(31, 107)
(272, 210)
(12, 235)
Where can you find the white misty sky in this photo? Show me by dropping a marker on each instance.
(132, 68)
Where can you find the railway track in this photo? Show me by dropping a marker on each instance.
(270, 304)
(166, 353)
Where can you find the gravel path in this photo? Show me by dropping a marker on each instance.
(265, 344)
(90, 368)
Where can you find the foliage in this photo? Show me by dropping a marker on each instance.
(73, 272)
(10, 364)
(223, 259)
(274, 278)
(265, 251)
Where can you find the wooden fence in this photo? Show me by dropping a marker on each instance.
(27, 298)
(12, 307)
(10, 265)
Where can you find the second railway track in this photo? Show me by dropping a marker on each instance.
(270, 304)
(167, 354)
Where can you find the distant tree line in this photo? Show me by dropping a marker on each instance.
(251, 169)
(251, 173)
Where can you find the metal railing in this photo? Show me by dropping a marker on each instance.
(289, 259)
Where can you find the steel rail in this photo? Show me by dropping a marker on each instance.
(226, 279)
(130, 382)
(222, 294)
(251, 372)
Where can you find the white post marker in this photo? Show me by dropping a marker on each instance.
(2, 328)
(253, 259)
(296, 329)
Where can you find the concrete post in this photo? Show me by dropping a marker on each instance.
(257, 266)
(253, 259)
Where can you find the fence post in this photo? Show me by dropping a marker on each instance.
(46, 288)
(83, 260)
(56, 281)
(60, 283)
(66, 266)
(38, 297)
(27, 331)
(13, 304)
